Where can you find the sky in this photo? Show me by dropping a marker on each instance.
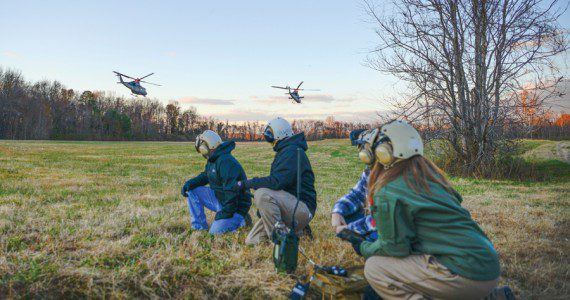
(218, 56)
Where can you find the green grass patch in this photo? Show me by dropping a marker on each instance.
(105, 219)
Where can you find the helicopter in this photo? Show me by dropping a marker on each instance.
(294, 93)
(135, 85)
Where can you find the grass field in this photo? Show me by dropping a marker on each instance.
(105, 219)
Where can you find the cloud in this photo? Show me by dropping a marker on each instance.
(207, 101)
(322, 98)
(556, 94)
(11, 54)
(170, 53)
(240, 115)
(559, 102)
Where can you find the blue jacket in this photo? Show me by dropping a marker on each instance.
(351, 207)
(283, 175)
(222, 171)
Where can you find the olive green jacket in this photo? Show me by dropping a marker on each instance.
(410, 223)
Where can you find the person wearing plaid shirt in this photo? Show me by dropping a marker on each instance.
(349, 211)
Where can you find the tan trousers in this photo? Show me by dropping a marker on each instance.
(276, 206)
(421, 277)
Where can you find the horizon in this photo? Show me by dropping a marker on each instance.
(220, 59)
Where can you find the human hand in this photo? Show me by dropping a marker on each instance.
(185, 189)
(337, 220)
(340, 228)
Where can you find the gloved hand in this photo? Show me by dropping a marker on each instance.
(185, 189)
(352, 237)
(239, 186)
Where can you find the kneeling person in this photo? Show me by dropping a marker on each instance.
(276, 194)
(349, 211)
(428, 245)
(222, 171)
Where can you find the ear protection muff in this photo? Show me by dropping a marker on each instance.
(384, 153)
(381, 151)
(365, 154)
(202, 147)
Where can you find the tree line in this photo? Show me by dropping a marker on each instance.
(48, 110)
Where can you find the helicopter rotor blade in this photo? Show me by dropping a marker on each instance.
(312, 90)
(121, 74)
(151, 83)
(146, 76)
(280, 87)
(299, 85)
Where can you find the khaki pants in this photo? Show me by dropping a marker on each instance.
(421, 277)
(276, 206)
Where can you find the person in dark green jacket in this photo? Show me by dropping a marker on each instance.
(222, 171)
(428, 245)
(276, 195)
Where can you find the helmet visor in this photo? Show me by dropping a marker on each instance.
(197, 143)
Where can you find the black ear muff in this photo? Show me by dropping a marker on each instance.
(384, 154)
(366, 155)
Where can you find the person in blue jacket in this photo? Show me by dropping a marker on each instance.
(276, 195)
(221, 173)
(349, 211)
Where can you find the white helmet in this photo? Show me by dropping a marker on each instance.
(277, 129)
(390, 144)
(405, 139)
(207, 142)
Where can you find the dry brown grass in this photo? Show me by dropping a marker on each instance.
(105, 220)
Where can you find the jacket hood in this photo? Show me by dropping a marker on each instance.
(298, 140)
(225, 148)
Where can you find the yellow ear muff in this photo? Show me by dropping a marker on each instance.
(384, 155)
(203, 149)
(366, 155)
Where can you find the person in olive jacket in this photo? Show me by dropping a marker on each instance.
(428, 245)
(276, 195)
(222, 171)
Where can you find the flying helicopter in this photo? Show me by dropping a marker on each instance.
(293, 92)
(135, 85)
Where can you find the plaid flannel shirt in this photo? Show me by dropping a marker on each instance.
(352, 205)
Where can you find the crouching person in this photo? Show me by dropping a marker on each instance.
(222, 171)
(276, 194)
(428, 245)
(349, 211)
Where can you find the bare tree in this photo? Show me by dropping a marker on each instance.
(466, 62)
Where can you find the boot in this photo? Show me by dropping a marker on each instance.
(501, 293)
(370, 294)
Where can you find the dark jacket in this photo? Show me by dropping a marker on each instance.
(283, 175)
(221, 173)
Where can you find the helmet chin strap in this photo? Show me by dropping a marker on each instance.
(397, 160)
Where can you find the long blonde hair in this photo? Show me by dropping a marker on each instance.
(417, 172)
